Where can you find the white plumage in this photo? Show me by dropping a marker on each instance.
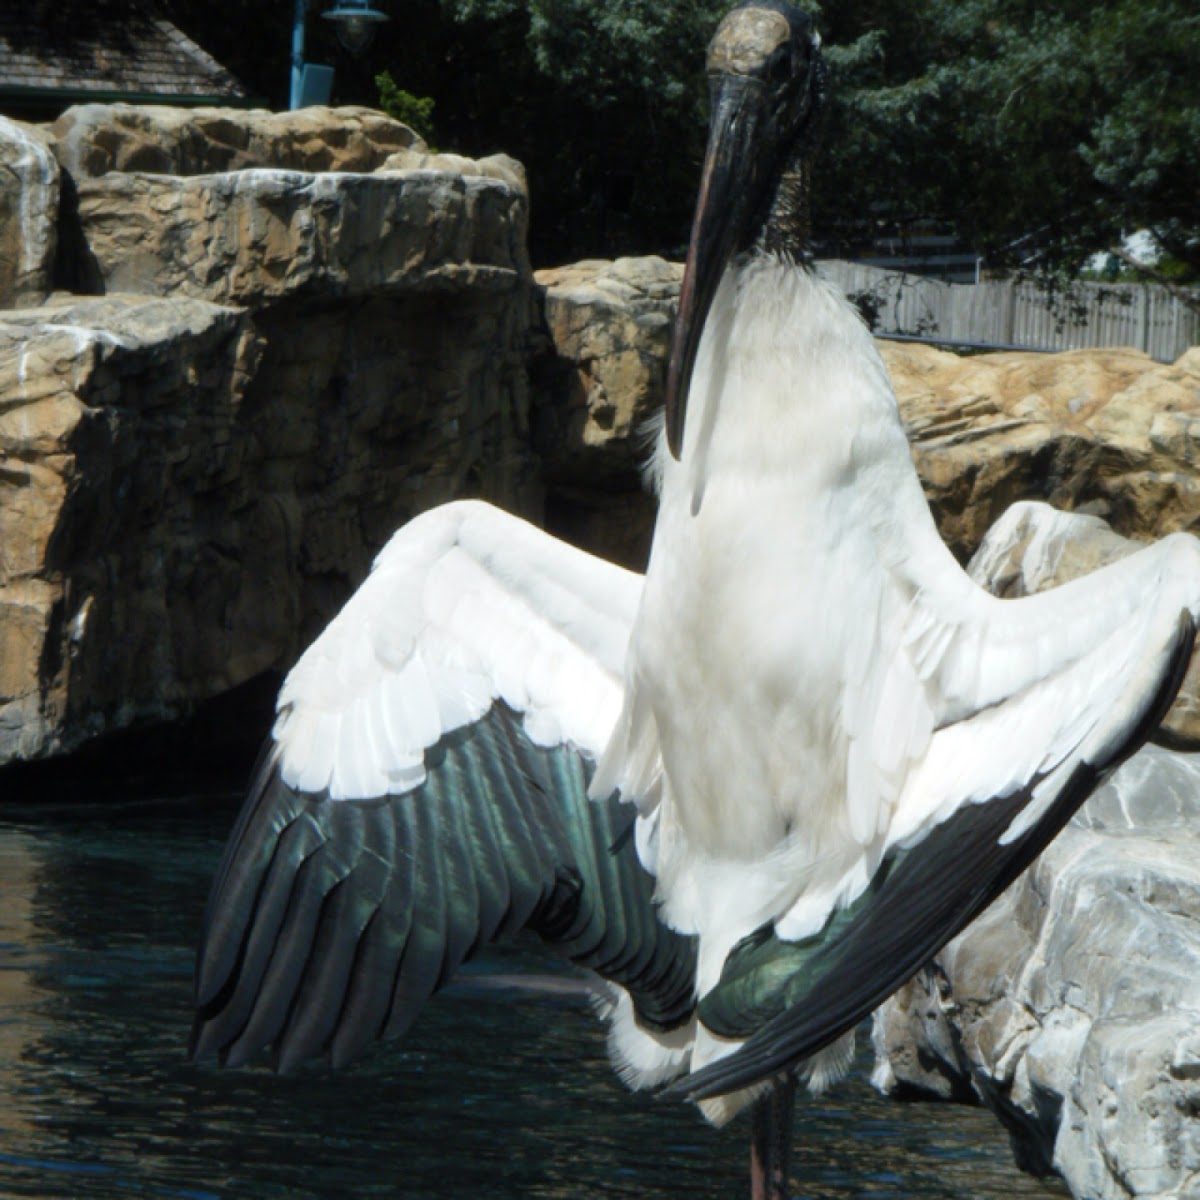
(465, 606)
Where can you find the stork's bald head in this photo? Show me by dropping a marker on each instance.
(763, 40)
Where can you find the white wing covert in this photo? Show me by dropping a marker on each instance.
(466, 606)
(1021, 690)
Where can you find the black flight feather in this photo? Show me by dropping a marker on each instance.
(331, 922)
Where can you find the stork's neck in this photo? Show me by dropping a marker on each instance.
(785, 229)
(788, 383)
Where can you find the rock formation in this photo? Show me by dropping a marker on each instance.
(1108, 432)
(609, 325)
(90, 140)
(127, 511)
(1072, 1006)
(304, 331)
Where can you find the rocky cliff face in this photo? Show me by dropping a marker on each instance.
(29, 191)
(303, 330)
(609, 325)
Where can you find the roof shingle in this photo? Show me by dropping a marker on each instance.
(69, 47)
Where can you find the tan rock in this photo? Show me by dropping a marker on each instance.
(609, 325)
(495, 166)
(611, 322)
(257, 236)
(29, 194)
(93, 139)
(189, 490)
(1109, 432)
(103, 403)
(188, 493)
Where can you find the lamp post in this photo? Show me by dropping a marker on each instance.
(356, 22)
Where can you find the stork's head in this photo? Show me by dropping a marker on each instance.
(766, 84)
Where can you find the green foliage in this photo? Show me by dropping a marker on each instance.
(414, 111)
(1042, 132)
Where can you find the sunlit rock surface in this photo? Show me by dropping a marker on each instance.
(1110, 432)
(263, 235)
(610, 325)
(197, 467)
(126, 513)
(1072, 1006)
(29, 195)
(94, 139)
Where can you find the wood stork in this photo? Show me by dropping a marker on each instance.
(814, 750)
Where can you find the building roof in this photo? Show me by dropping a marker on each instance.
(54, 53)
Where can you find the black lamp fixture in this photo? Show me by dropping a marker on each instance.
(356, 22)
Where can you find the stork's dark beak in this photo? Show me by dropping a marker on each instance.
(736, 169)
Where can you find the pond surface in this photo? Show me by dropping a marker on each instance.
(500, 1092)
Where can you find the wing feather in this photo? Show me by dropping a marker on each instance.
(465, 606)
(790, 999)
(407, 813)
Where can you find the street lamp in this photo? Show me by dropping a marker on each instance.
(355, 20)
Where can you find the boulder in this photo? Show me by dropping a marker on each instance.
(197, 469)
(260, 236)
(123, 496)
(252, 208)
(494, 166)
(1107, 432)
(1072, 1006)
(188, 494)
(93, 139)
(609, 326)
(29, 197)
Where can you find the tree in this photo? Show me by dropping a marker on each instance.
(1041, 132)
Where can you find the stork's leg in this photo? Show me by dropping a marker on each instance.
(771, 1141)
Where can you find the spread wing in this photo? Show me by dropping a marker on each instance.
(425, 792)
(1031, 704)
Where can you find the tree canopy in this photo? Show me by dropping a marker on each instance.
(1038, 133)
(1041, 132)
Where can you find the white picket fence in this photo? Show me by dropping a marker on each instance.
(1010, 313)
